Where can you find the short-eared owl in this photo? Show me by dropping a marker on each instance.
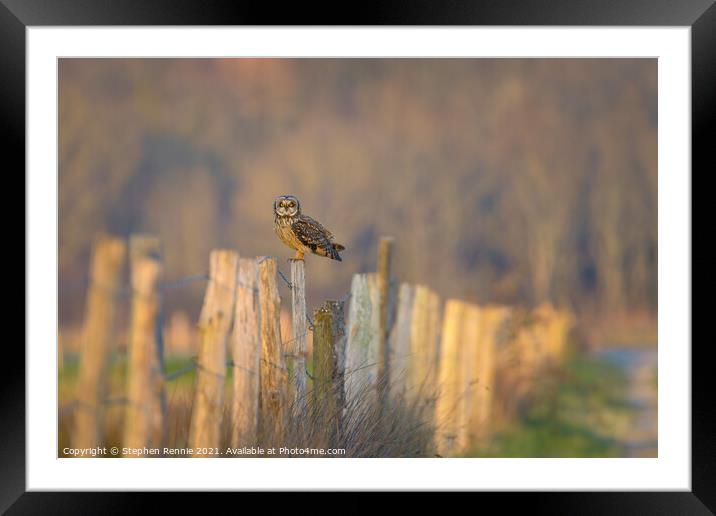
(301, 232)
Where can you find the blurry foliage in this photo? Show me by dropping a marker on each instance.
(578, 410)
(511, 180)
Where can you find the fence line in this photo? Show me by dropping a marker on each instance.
(125, 292)
(469, 365)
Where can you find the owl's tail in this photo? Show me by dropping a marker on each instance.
(333, 252)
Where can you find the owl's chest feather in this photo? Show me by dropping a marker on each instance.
(282, 227)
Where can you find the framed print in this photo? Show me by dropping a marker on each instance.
(419, 250)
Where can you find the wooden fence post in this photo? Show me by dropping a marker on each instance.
(563, 327)
(492, 336)
(415, 345)
(472, 326)
(362, 347)
(522, 359)
(557, 324)
(145, 412)
(514, 355)
(541, 321)
(274, 379)
(297, 350)
(424, 345)
(328, 354)
(214, 325)
(447, 407)
(324, 403)
(245, 354)
(385, 256)
(108, 258)
(401, 341)
(339, 356)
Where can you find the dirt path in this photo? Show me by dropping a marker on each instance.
(641, 435)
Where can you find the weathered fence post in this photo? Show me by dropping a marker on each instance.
(362, 346)
(472, 326)
(145, 411)
(274, 380)
(245, 354)
(108, 258)
(447, 407)
(492, 335)
(523, 359)
(415, 345)
(556, 326)
(424, 345)
(324, 403)
(298, 348)
(401, 341)
(517, 358)
(328, 355)
(385, 255)
(563, 326)
(339, 356)
(214, 325)
(539, 330)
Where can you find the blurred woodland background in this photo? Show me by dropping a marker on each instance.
(508, 180)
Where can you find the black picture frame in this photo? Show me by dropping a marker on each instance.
(17, 15)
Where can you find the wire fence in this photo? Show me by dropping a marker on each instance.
(124, 292)
(195, 365)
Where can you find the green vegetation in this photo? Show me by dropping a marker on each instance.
(577, 411)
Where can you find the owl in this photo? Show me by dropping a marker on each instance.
(301, 232)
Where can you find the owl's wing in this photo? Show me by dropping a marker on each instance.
(314, 236)
(317, 225)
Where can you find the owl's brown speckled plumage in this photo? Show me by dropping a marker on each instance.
(301, 232)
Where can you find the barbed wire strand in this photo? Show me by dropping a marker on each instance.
(121, 291)
(183, 281)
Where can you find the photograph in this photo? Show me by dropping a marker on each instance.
(369, 257)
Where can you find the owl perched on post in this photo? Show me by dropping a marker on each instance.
(301, 232)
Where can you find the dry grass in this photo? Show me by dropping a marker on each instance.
(362, 428)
